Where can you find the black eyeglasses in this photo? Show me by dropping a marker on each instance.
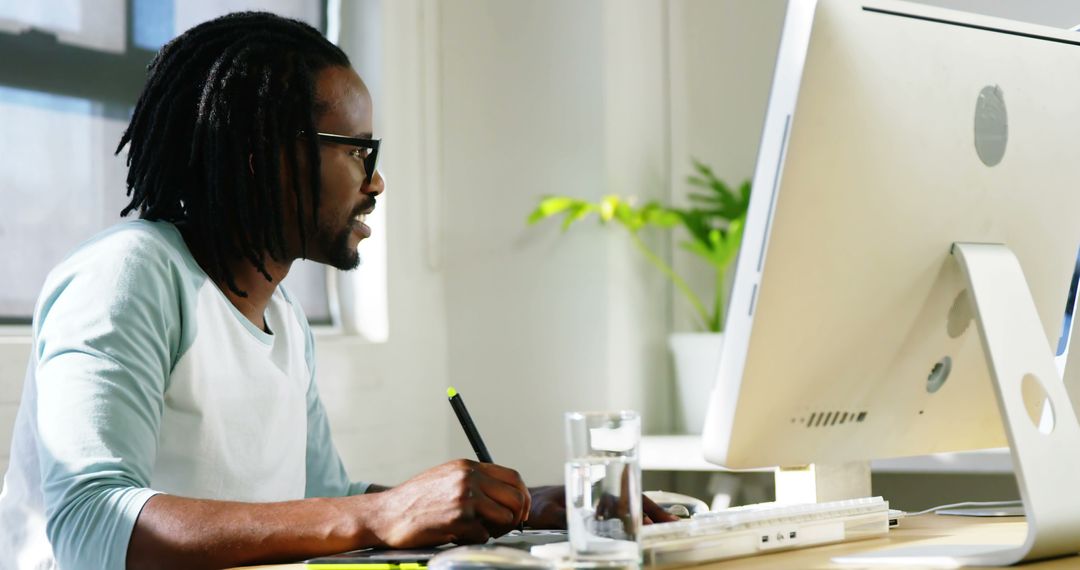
(367, 149)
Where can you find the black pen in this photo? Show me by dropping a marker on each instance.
(471, 432)
(467, 424)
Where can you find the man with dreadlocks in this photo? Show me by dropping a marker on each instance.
(170, 418)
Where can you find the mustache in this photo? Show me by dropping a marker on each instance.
(367, 204)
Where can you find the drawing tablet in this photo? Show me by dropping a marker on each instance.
(375, 559)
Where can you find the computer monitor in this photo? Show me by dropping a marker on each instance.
(894, 131)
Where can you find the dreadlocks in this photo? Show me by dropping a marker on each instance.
(221, 101)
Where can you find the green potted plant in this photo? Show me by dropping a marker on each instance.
(714, 226)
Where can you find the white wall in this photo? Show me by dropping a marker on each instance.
(538, 322)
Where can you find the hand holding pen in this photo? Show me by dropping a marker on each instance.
(473, 434)
(461, 501)
(550, 501)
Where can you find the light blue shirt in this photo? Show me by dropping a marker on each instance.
(145, 379)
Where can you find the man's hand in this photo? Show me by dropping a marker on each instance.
(654, 513)
(461, 501)
(549, 508)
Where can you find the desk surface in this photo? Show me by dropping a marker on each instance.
(926, 529)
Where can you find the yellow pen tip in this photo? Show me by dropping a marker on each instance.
(451, 392)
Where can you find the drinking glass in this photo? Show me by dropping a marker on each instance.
(603, 485)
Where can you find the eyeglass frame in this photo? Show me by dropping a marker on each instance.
(370, 161)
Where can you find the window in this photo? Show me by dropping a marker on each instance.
(58, 165)
(71, 72)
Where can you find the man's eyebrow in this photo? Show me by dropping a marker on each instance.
(364, 136)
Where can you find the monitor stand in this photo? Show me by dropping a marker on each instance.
(1046, 455)
(822, 482)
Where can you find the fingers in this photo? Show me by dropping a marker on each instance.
(463, 501)
(491, 493)
(495, 517)
(511, 478)
(470, 532)
(654, 513)
(506, 498)
(548, 507)
(549, 515)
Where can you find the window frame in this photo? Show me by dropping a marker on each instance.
(37, 60)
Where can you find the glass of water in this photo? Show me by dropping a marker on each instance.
(603, 485)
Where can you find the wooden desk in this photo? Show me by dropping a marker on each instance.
(926, 529)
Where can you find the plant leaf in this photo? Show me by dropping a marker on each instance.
(695, 222)
(732, 241)
(550, 206)
(697, 181)
(703, 168)
(699, 249)
(628, 216)
(714, 223)
(576, 212)
(744, 193)
(607, 207)
(656, 215)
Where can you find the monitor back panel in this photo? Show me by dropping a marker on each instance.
(838, 320)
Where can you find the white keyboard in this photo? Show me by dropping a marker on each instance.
(761, 528)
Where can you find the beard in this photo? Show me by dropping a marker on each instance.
(335, 243)
(341, 255)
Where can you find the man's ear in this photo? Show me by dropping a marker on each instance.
(251, 163)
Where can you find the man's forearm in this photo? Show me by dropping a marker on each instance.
(174, 532)
(460, 501)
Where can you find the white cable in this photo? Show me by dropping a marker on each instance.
(988, 504)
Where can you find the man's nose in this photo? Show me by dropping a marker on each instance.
(376, 186)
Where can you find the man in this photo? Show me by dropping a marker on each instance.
(169, 416)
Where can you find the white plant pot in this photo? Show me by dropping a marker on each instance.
(697, 358)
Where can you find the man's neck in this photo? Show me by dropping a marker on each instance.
(246, 277)
(249, 280)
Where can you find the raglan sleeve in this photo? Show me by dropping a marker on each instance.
(326, 475)
(106, 333)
